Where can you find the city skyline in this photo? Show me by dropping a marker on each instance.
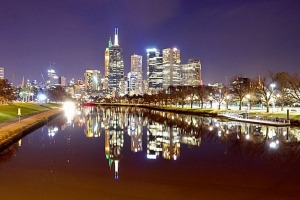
(236, 37)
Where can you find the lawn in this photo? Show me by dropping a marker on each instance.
(8, 112)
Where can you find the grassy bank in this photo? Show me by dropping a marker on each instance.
(9, 112)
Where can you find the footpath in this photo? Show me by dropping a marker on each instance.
(15, 129)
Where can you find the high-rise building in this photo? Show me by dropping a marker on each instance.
(136, 64)
(92, 82)
(106, 58)
(136, 74)
(154, 70)
(115, 65)
(62, 81)
(52, 78)
(132, 80)
(171, 65)
(191, 73)
(1, 72)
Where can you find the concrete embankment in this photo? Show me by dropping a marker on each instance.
(12, 132)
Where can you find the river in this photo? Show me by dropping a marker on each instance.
(133, 153)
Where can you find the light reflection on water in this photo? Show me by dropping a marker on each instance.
(121, 143)
(166, 132)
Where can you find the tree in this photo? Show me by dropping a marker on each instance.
(264, 89)
(282, 80)
(294, 88)
(57, 94)
(240, 87)
(6, 92)
(219, 94)
(202, 93)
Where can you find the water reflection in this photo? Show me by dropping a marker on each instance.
(166, 132)
(166, 136)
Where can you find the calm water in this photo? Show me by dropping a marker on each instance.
(125, 153)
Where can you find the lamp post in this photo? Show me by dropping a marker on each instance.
(227, 100)
(248, 96)
(210, 100)
(273, 85)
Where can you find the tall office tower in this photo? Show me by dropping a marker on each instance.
(132, 79)
(115, 65)
(92, 82)
(136, 64)
(191, 73)
(1, 72)
(154, 70)
(52, 78)
(62, 81)
(137, 72)
(171, 64)
(106, 58)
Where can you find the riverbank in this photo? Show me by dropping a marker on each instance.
(16, 130)
(294, 117)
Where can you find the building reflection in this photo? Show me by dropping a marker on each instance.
(135, 131)
(166, 133)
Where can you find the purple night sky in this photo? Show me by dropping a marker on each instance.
(229, 37)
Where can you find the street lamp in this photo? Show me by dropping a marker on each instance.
(248, 96)
(273, 85)
(227, 100)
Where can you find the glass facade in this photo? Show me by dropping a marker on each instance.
(172, 68)
(154, 69)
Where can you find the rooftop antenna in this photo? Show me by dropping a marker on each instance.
(116, 37)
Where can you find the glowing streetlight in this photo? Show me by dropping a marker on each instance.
(273, 85)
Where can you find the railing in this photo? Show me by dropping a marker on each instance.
(255, 119)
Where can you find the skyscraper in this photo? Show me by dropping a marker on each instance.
(92, 82)
(106, 58)
(52, 78)
(171, 64)
(154, 70)
(115, 65)
(136, 64)
(191, 73)
(137, 73)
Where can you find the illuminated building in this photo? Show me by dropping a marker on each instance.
(1, 72)
(136, 76)
(191, 73)
(62, 81)
(171, 67)
(122, 89)
(131, 83)
(92, 82)
(52, 78)
(154, 70)
(115, 65)
(106, 58)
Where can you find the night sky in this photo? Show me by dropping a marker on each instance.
(229, 37)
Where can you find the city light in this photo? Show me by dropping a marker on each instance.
(69, 108)
(41, 97)
(151, 50)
